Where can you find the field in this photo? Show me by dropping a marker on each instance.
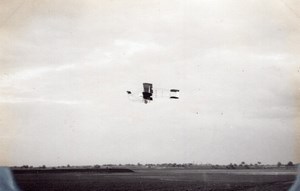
(160, 179)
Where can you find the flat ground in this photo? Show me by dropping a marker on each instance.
(160, 179)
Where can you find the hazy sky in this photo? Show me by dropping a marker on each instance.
(65, 67)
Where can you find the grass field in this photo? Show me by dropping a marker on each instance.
(160, 179)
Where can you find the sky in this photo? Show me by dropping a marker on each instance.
(65, 67)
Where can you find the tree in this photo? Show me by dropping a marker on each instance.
(279, 164)
(25, 166)
(230, 166)
(97, 166)
(290, 163)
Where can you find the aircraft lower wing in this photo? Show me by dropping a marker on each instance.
(7, 182)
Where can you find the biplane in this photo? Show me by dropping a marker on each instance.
(149, 93)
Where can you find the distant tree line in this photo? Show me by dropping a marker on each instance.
(242, 165)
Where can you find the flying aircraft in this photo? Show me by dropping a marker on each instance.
(148, 93)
